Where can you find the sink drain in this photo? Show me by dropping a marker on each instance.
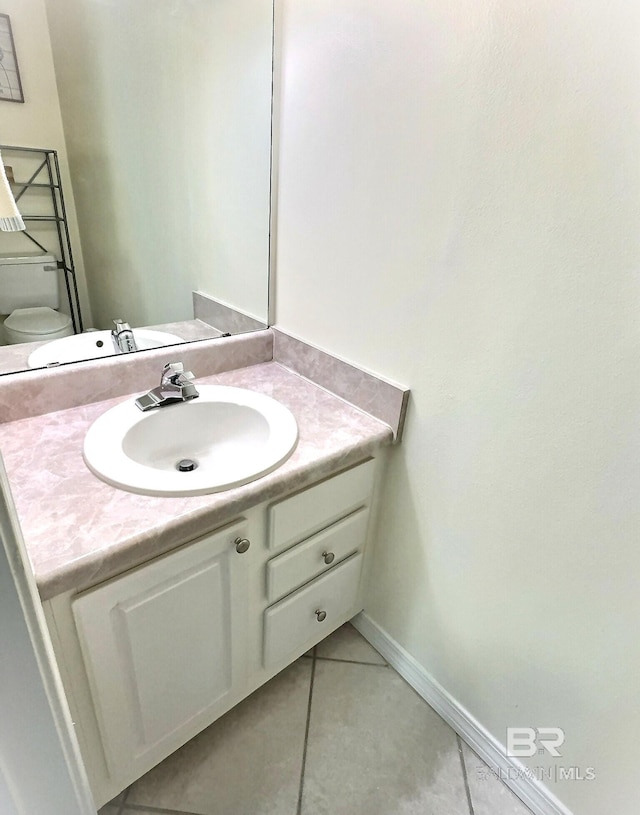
(186, 465)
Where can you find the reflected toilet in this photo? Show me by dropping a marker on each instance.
(30, 296)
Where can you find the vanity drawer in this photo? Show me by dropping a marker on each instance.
(299, 516)
(307, 560)
(301, 618)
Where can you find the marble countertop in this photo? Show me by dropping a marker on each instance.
(80, 531)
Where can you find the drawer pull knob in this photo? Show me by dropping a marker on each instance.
(321, 615)
(328, 557)
(242, 544)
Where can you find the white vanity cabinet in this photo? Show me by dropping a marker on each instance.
(153, 656)
(162, 646)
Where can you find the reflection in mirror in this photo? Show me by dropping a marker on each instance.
(166, 108)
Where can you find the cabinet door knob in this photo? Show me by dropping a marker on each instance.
(242, 544)
(328, 557)
(321, 615)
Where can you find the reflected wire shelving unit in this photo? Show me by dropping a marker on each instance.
(42, 169)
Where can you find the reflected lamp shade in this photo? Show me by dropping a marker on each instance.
(10, 218)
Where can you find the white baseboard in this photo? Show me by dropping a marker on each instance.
(529, 789)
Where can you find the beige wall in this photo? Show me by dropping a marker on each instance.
(37, 122)
(459, 201)
(166, 109)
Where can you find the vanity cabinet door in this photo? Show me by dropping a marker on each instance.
(162, 646)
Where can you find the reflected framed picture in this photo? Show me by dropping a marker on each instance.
(10, 84)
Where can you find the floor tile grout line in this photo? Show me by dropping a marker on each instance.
(124, 799)
(131, 808)
(354, 662)
(464, 774)
(306, 734)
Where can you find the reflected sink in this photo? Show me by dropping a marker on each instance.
(93, 345)
(232, 435)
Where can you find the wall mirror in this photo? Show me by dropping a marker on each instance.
(166, 106)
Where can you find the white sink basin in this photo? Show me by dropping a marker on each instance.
(232, 434)
(94, 344)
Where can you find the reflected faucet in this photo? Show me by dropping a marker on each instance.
(175, 386)
(122, 336)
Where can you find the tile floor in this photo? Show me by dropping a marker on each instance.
(339, 732)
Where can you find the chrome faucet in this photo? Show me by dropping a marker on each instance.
(122, 336)
(175, 386)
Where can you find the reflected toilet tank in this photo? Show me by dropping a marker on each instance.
(30, 294)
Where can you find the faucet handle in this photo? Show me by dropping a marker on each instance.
(173, 370)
